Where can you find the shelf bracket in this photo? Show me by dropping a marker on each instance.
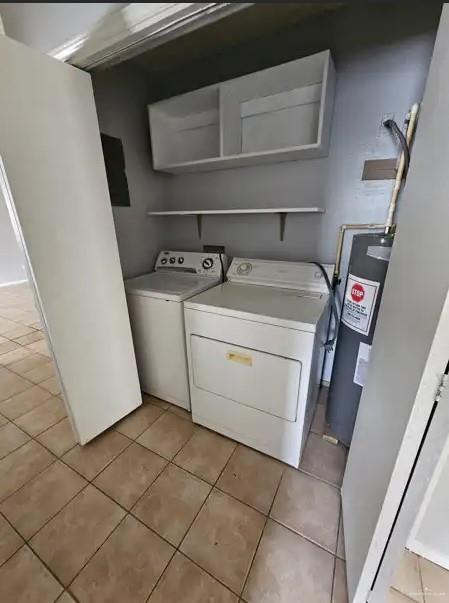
(282, 220)
(199, 224)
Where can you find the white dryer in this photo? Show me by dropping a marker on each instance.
(155, 304)
(255, 347)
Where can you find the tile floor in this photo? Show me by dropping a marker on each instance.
(418, 580)
(157, 509)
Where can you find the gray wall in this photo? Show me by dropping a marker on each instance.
(48, 25)
(381, 69)
(121, 95)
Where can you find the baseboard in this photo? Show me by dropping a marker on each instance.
(10, 283)
(429, 553)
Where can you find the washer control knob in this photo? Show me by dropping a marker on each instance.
(244, 268)
(181, 260)
(164, 261)
(208, 263)
(172, 260)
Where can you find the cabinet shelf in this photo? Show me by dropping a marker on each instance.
(280, 211)
(282, 113)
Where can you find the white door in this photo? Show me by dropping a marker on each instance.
(53, 179)
(410, 348)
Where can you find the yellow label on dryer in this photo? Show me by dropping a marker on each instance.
(245, 359)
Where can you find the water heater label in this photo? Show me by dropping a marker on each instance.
(359, 304)
(362, 363)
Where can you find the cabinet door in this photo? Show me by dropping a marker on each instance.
(53, 180)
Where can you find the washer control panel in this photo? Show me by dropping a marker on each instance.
(191, 262)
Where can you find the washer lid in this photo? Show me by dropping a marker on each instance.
(292, 308)
(173, 286)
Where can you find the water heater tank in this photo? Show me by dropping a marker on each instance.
(368, 265)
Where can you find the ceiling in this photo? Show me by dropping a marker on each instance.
(257, 20)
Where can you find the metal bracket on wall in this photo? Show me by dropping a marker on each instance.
(199, 224)
(282, 220)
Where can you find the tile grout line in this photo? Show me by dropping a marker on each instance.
(172, 461)
(267, 517)
(178, 548)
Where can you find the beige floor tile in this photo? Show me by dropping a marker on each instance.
(92, 458)
(181, 412)
(39, 347)
(41, 498)
(41, 373)
(127, 478)
(27, 364)
(435, 580)
(323, 459)
(20, 466)
(396, 597)
(14, 356)
(22, 403)
(8, 346)
(205, 454)
(156, 401)
(30, 338)
(308, 506)
(251, 477)
(139, 420)
(11, 384)
(59, 438)
(319, 420)
(223, 539)
(407, 579)
(341, 539)
(171, 503)
(18, 331)
(44, 416)
(6, 325)
(10, 541)
(185, 582)
(167, 435)
(126, 567)
(53, 385)
(65, 598)
(289, 569)
(340, 589)
(11, 438)
(25, 579)
(67, 541)
(3, 421)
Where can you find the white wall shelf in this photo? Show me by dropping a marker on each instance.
(283, 113)
(280, 211)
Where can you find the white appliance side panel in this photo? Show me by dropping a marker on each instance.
(54, 182)
(263, 381)
(159, 341)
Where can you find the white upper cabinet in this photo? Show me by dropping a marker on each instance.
(278, 114)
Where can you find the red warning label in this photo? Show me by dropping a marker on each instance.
(359, 303)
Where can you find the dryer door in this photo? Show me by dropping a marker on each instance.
(263, 381)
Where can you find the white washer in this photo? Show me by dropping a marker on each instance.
(155, 304)
(255, 347)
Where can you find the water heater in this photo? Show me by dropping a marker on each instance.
(368, 265)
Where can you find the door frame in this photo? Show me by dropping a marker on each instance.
(427, 468)
(137, 27)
